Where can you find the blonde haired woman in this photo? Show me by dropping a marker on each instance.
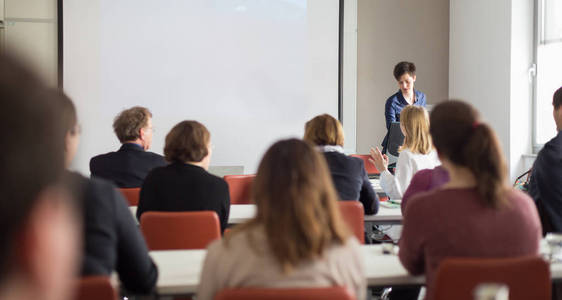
(296, 239)
(416, 153)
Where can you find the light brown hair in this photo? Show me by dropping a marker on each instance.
(296, 204)
(459, 136)
(128, 123)
(188, 141)
(415, 121)
(324, 130)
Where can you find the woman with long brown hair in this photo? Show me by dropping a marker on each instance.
(475, 214)
(296, 239)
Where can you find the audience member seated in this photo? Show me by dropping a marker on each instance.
(476, 213)
(416, 154)
(348, 173)
(423, 181)
(112, 241)
(185, 184)
(296, 239)
(39, 235)
(545, 184)
(128, 167)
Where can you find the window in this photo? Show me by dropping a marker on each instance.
(548, 62)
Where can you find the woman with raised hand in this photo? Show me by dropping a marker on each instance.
(348, 173)
(416, 153)
(296, 239)
(474, 214)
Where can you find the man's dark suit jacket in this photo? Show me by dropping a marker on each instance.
(112, 240)
(351, 180)
(127, 167)
(184, 187)
(545, 185)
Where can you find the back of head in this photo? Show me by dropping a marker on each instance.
(460, 137)
(324, 130)
(297, 203)
(415, 121)
(557, 98)
(128, 123)
(188, 141)
(32, 152)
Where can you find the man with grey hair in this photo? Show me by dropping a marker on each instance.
(128, 166)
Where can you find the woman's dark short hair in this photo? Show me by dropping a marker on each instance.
(187, 142)
(128, 123)
(404, 67)
(557, 98)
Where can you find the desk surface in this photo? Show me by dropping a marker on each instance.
(240, 213)
(180, 270)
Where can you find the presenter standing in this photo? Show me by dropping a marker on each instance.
(405, 74)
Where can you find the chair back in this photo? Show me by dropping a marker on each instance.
(353, 214)
(327, 293)
(240, 187)
(368, 165)
(95, 288)
(132, 195)
(179, 230)
(527, 277)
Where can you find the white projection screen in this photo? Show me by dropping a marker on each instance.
(252, 71)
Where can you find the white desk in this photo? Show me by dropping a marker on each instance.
(239, 213)
(180, 270)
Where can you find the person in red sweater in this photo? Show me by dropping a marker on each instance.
(475, 214)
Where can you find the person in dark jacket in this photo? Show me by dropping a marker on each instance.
(546, 177)
(112, 241)
(128, 166)
(348, 173)
(185, 184)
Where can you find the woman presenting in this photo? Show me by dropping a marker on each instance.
(405, 74)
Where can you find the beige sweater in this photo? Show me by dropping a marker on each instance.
(239, 265)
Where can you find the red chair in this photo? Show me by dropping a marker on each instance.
(327, 293)
(527, 277)
(368, 165)
(240, 187)
(180, 230)
(132, 195)
(95, 288)
(353, 214)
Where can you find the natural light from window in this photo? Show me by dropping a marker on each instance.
(549, 79)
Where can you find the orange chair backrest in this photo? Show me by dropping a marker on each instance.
(368, 165)
(327, 293)
(527, 277)
(132, 195)
(353, 214)
(95, 288)
(240, 187)
(179, 230)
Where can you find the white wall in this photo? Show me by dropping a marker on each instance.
(389, 32)
(490, 51)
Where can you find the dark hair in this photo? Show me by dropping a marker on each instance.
(187, 142)
(324, 130)
(128, 123)
(404, 67)
(459, 136)
(557, 98)
(32, 152)
(297, 204)
(68, 113)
